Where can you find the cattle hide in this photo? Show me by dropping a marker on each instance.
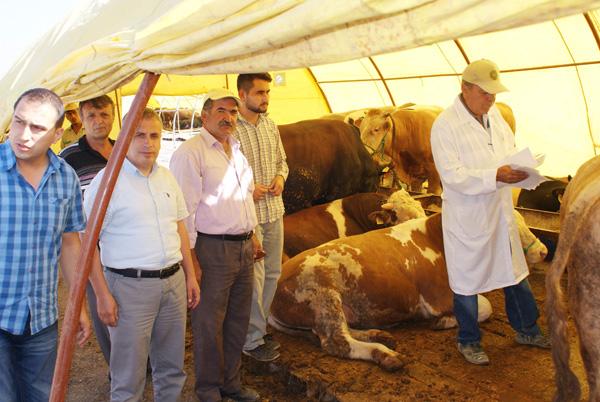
(373, 280)
(578, 251)
(355, 214)
(326, 162)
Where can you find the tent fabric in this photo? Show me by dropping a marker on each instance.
(105, 44)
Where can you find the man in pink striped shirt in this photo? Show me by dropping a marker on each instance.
(217, 185)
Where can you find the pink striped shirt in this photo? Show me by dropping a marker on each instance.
(217, 190)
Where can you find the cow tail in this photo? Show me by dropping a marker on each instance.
(567, 384)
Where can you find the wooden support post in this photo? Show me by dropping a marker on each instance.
(70, 324)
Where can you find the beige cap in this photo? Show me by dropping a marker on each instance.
(71, 106)
(485, 74)
(221, 93)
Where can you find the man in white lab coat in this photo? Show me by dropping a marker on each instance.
(481, 240)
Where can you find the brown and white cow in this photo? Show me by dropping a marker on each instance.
(578, 251)
(373, 280)
(401, 139)
(326, 162)
(355, 214)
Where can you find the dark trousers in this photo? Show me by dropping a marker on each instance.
(220, 321)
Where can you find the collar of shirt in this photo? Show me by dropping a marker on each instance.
(212, 142)
(466, 115)
(85, 145)
(261, 117)
(130, 168)
(8, 160)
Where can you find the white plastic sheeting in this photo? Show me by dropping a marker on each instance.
(106, 43)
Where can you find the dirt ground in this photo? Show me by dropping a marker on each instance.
(435, 371)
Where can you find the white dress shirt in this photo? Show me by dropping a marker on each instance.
(140, 227)
(217, 190)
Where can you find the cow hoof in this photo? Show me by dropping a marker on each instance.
(388, 362)
(385, 338)
(392, 364)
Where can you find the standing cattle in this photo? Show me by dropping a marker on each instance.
(355, 214)
(326, 162)
(374, 280)
(401, 139)
(579, 252)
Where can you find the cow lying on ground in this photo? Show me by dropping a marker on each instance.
(579, 252)
(355, 214)
(374, 280)
(326, 162)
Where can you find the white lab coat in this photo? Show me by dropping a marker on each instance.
(481, 239)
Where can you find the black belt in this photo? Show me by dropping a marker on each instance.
(144, 273)
(237, 237)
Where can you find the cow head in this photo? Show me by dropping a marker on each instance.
(375, 129)
(355, 118)
(535, 251)
(400, 207)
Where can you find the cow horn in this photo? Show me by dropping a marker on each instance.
(388, 206)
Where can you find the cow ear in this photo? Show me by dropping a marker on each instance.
(380, 217)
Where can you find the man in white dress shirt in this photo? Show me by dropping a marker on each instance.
(217, 184)
(143, 245)
(481, 239)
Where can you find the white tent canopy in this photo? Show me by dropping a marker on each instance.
(105, 44)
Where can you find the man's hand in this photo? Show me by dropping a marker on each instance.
(108, 310)
(259, 191)
(259, 253)
(193, 292)
(506, 174)
(85, 327)
(276, 187)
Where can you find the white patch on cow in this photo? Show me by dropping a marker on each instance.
(425, 309)
(430, 254)
(404, 234)
(404, 205)
(364, 350)
(403, 231)
(484, 308)
(336, 212)
(328, 262)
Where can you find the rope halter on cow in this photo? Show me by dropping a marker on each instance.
(526, 249)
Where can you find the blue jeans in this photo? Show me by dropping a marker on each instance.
(520, 307)
(27, 365)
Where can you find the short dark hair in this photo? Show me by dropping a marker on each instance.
(208, 104)
(148, 113)
(246, 81)
(43, 95)
(97, 103)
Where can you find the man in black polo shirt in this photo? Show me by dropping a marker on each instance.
(88, 156)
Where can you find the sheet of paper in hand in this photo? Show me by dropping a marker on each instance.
(525, 160)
